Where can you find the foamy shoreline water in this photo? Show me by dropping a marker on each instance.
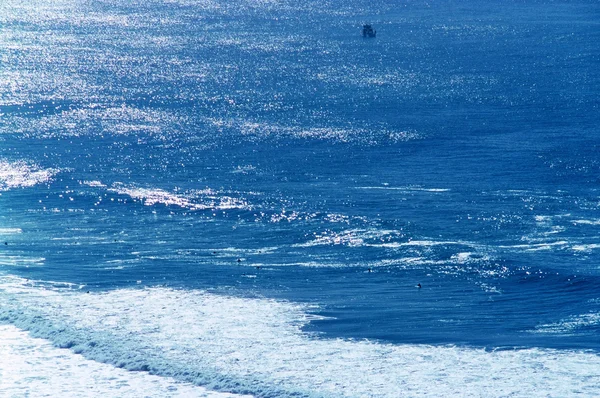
(244, 344)
(32, 367)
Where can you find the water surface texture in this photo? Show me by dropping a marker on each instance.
(222, 198)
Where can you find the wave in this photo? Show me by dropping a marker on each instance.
(206, 199)
(407, 189)
(47, 368)
(533, 247)
(257, 346)
(374, 237)
(10, 231)
(594, 221)
(353, 238)
(586, 247)
(210, 199)
(20, 261)
(570, 325)
(21, 174)
(571, 244)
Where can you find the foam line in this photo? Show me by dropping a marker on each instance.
(249, 345)
(10, 231)
(586, 248)
(33, 367)
(209, 199)
(407, 189)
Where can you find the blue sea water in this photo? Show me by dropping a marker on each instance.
(245, 195)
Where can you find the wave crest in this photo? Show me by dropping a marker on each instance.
(20, 174)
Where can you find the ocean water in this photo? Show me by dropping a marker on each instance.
(210, 198)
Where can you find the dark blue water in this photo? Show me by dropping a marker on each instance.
(266, 150)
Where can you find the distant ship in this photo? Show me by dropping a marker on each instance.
(368, 31)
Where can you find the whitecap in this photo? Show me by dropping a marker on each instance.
(206, 199)
(10, 231)
(536, 246)
(22, 174)
(95, 184)
(586, 222)
(355, 237)
(21, 261)
(407, 189)
(586, 247)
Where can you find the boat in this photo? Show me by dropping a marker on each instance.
(368, 31)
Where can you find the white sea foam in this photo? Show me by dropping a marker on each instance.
(10, 231)
(228, 251)
(355, 237)
(194, 200)
(258, 345)
(468, 257)
(247, 169)
(21, 174)
(532, 247)
(543, 220)
(586, 247)
(489, 288)
(94, 183)
(408, 189)
(587, 222)
(431, 243)
(33, 367)
(19, 261)
(420, 243)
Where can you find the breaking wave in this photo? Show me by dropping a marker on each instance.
(22, 174)
(258, 346)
